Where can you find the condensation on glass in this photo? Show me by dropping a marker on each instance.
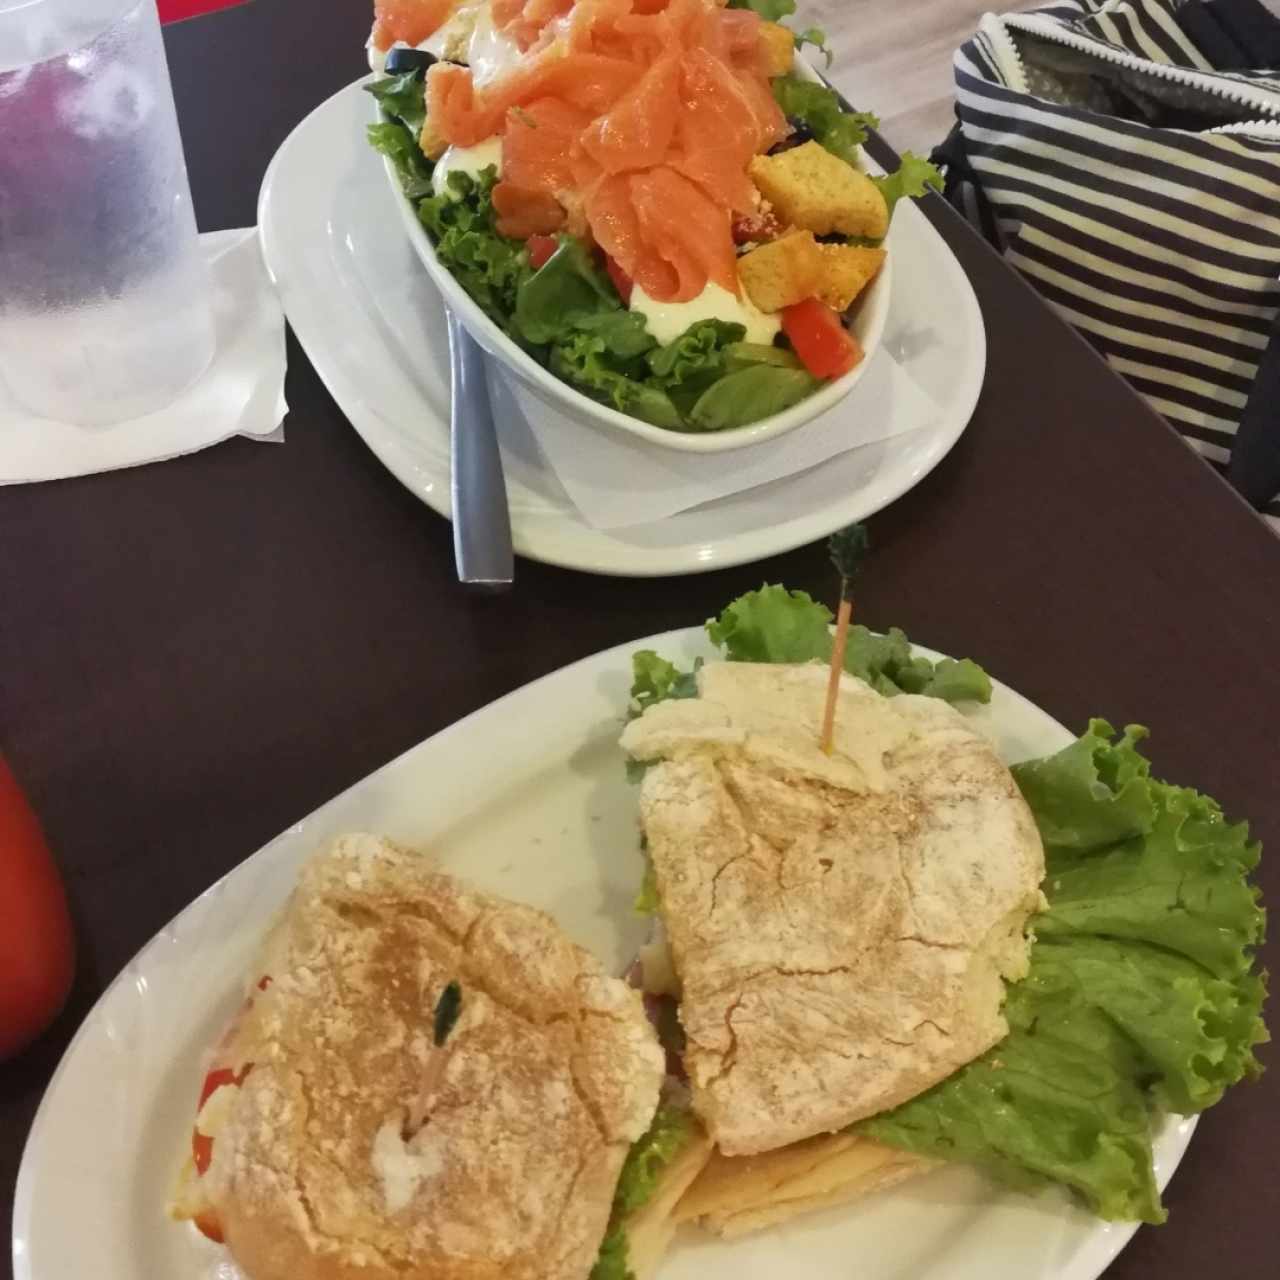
(105, 302)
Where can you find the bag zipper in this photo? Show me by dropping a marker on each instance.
(997, 30)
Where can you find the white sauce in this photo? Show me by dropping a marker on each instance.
(490, 53)
(468, 36)
(469, 160)
(666, 321)
(401, 1166)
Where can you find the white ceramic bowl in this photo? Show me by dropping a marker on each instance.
(868, 326)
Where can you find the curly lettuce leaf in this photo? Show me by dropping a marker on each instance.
(400, 146)
(777, 625)
(773, 625)
(1141, 992)
(402, 98)
(841, 132)
(654, 679)
(668, 1135)
(489, 266)
(688, 365)
(817, 37)
(613, 1262)
(913, 177)
(584, 360)
(1092, 793)
(669, 1132)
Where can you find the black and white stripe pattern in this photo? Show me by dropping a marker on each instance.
(1157, 237)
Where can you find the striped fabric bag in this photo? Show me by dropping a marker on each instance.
(1122, 156)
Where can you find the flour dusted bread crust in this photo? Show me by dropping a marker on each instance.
(841, 925)
(359, 1149)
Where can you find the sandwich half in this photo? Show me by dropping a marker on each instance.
(426, 1081)
(840, 926)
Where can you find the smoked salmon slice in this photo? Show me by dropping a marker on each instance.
(640, 116)
(409, 20)
(637, 130)
(717, 131)
(682, 225)
(537, 144)
(522, 213)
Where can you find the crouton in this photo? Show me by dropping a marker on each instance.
(811, 188)
(782, 272)
(432, 144)
(778, 45)
(847, 269)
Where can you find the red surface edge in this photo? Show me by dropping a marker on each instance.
(178, 10)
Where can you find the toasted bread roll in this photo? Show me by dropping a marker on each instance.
(441, 1086)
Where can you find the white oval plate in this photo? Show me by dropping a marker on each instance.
(372, 324)
(545, 817)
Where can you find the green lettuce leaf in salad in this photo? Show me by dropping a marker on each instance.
(749, 394)
(841, 132)
(401, 147)
(489, 266)
(716, 380)
(567, 288)
(586, 360)
(818, 38)
(402, 98)
(1140, 997)
(913, 178)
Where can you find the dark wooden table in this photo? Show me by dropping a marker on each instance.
(194, 655)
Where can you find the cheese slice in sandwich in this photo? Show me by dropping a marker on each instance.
(426, 1081)
(841, 925)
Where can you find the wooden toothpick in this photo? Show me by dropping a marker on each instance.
(848, 547)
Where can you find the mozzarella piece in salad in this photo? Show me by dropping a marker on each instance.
(666, 321)
(472, 161)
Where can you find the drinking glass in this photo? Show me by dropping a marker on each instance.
(105, 302)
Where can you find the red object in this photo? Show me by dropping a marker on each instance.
(37, 950)
(209, 1226)
(540, 250)
(825, 347)
(202, 1143)
(621, 281)
(177, 10)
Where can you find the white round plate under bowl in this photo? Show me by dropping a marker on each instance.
(544, 818)
(373, 326)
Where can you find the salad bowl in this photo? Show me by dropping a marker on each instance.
(866, 323)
